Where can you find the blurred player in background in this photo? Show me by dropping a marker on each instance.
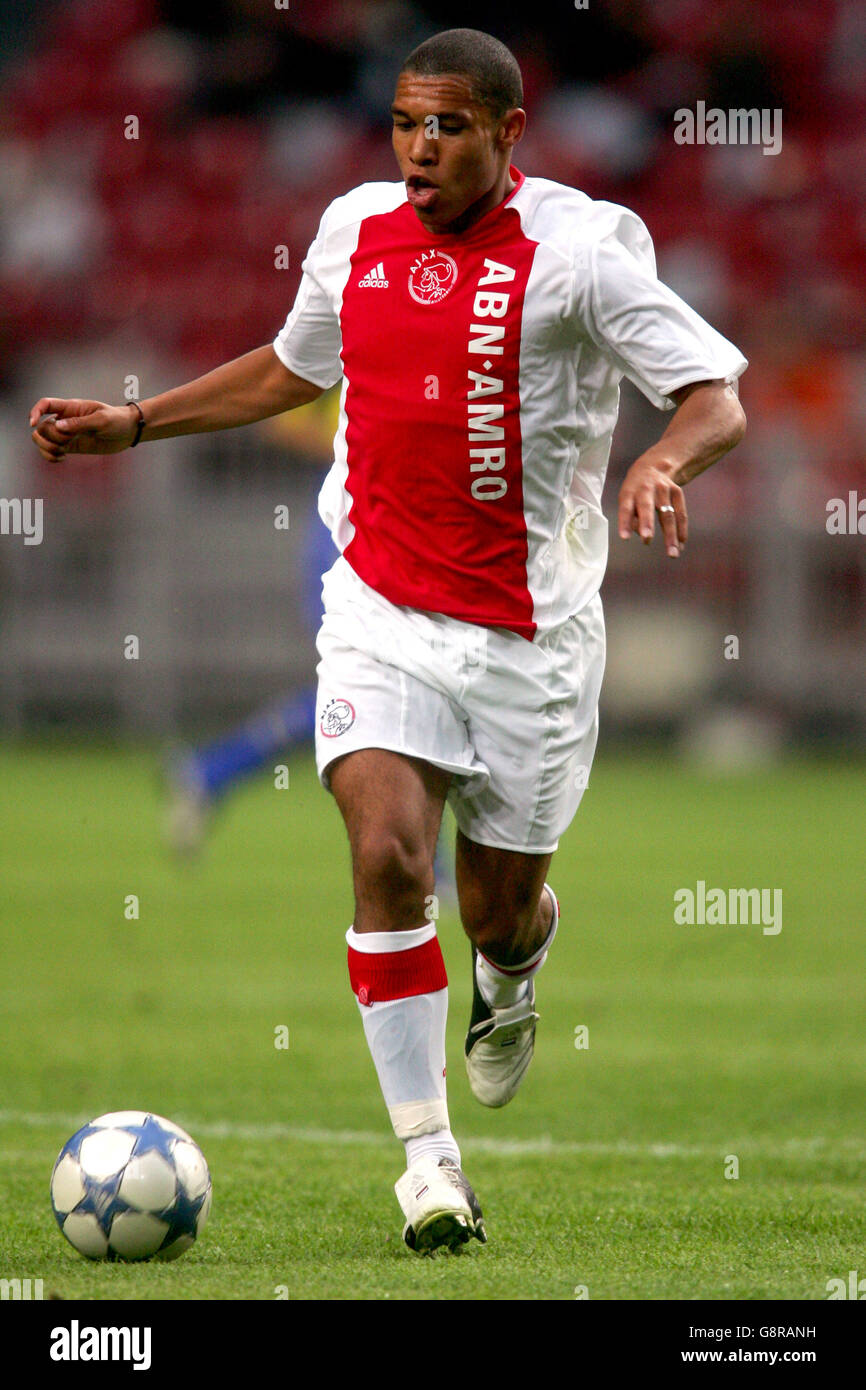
(481, 322)
(199, 779)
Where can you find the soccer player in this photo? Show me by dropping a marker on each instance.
(198, 780)
(481, 321)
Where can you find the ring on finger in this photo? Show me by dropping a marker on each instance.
(666, 508)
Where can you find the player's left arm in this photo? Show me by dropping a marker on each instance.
(707, 422)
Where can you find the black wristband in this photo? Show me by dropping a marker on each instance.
(140, 426)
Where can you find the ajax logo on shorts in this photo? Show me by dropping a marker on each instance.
(431, 276)
(337, 717)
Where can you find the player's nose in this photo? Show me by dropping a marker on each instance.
(422, 149)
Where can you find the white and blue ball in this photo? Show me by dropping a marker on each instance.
(131, 1186)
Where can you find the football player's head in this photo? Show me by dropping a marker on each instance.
(457, 115)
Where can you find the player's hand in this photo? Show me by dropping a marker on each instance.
(81, 427)
(647, 490)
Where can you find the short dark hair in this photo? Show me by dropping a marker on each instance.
(490, 66)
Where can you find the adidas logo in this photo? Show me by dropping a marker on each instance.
(375, 278)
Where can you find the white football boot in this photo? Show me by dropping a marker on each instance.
(440, 1208)
(500, 1042)
(188, 808)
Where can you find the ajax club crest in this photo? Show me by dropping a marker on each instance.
(432, 275)
(337, 717)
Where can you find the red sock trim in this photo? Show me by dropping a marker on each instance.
(513, 972)
(397, 974)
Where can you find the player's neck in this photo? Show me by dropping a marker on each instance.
(503, 186)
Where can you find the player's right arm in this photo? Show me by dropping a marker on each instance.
(250, 388)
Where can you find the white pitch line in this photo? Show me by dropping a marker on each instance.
(503, 1148)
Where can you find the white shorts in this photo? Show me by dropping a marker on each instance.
(515, 722)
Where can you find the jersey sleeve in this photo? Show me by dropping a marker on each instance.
(310, 340)
(652, 336)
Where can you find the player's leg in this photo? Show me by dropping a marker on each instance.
(533, 721)
(505, 912)
(392, 808)
(510, 915)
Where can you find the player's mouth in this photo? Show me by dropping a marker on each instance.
(421, 191)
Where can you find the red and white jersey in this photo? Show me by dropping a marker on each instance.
(480, 391)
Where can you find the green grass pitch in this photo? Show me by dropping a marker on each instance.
(606, 1174)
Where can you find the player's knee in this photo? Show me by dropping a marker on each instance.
(393, 869)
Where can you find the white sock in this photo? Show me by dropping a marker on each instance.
(501, 987)
(401, 987)
(442, 1144)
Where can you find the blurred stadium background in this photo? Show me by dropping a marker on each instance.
(152, 259)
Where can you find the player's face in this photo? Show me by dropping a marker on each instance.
(453, 154)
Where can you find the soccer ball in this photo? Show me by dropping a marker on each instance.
(131, 1186)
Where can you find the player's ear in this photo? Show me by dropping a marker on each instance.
(512, 126)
